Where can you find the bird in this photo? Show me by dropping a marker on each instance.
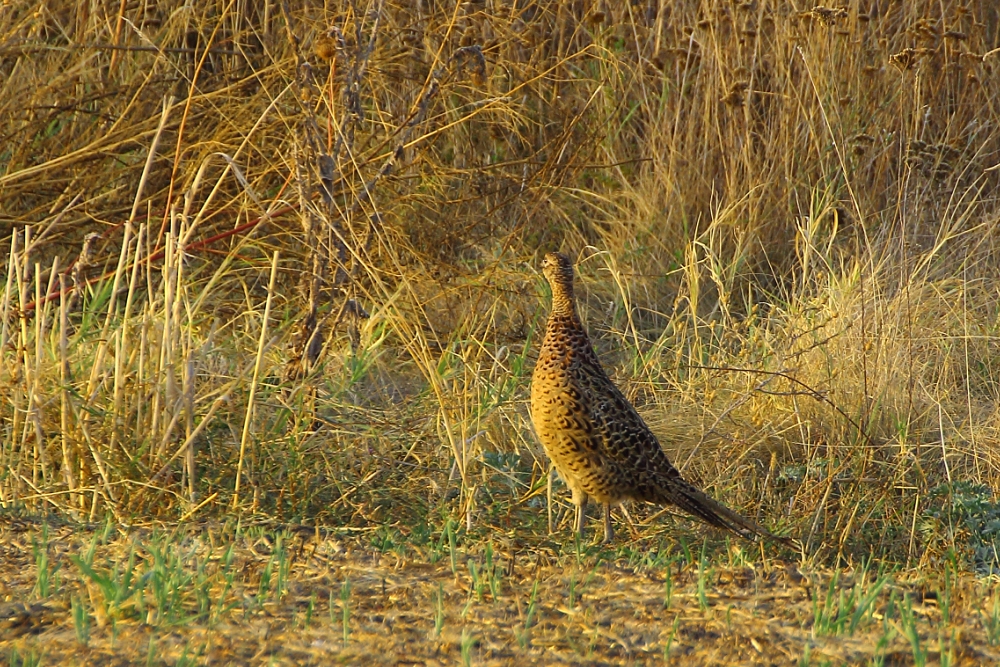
(596, 440)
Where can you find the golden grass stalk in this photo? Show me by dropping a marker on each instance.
(248, 418)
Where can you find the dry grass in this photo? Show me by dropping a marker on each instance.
(279, 263)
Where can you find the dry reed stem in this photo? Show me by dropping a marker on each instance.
(256, 375)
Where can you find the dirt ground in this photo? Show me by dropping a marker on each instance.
(203, 595)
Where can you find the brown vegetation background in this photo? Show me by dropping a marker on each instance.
(310, 290)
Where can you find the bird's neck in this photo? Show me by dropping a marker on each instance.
(563, 303)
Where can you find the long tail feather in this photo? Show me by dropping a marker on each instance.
(697, 503)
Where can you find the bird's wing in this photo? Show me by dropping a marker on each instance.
(625, 439)
(624, 436)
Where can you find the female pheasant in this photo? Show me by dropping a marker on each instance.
(598, 442)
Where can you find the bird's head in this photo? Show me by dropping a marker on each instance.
(557, 269)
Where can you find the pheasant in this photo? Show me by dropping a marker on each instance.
(597, 441)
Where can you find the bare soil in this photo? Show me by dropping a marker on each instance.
(506, 602)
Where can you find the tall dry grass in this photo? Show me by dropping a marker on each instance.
(313, 292)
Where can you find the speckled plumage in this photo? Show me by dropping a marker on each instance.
(597, 441)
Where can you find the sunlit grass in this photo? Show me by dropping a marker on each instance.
(310, 297)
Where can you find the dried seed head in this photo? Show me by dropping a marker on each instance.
(827, 15)
(926, 29)
(905, 59)
(325, 48)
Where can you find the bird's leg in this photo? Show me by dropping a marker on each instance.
(609, 531)
(580, 500)
(548, 496)
(581, 519)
